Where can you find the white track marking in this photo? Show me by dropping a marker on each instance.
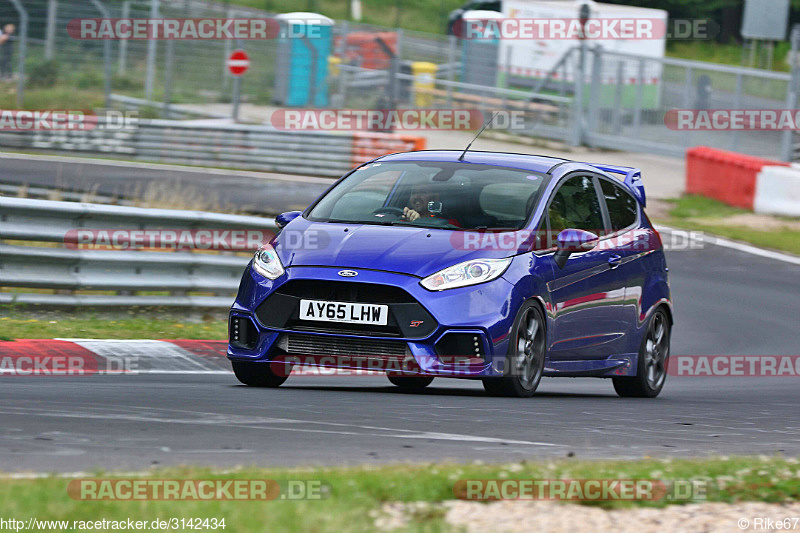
(271, 424)
(742, 247)
(158, 356)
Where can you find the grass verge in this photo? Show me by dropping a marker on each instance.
(357, 493)
(16, 325)
(705, 214)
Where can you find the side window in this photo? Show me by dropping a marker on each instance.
(540, 239)
(622, 206)
(576, 205)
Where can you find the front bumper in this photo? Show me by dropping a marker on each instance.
(481, 314)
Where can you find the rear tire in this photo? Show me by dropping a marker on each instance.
(524, 363)
(415, 383)
(257, 374)
(651, 369)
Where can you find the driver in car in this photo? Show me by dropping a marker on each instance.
(421, 195)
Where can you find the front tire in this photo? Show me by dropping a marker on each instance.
(257, 374)
(414, 383)
(524, 363)
(651, 370)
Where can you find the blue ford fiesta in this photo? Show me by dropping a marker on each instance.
(477, 265)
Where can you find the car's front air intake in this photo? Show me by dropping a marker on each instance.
(301, 344)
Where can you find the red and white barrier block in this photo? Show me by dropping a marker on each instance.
(778, 190)
(749, 182)
(86, 357)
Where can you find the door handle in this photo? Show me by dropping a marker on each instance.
(614, 261)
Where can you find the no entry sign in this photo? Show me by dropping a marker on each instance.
(238, 62)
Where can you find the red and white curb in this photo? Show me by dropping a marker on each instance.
(105, 356)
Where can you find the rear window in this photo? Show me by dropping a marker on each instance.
(622, 207)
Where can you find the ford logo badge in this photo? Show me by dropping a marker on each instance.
(348, 273)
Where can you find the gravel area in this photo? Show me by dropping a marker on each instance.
(554, 517)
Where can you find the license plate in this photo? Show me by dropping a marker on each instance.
(346, 312)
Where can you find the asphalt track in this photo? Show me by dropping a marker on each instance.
(726, 302)
(251, 192)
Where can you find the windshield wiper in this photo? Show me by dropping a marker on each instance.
(414, 225)
(370, 222)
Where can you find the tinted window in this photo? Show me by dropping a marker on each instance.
(622, 206)
(576, 205)
(443, 194)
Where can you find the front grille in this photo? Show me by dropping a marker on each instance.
(299, 344)
(407, 318)
(344, 291)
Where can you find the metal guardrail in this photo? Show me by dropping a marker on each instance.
(238, 146)
(176, 111)
(67, 270)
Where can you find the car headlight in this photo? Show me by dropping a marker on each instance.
(267, 263)
(466, 273)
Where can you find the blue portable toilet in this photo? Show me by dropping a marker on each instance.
(305, 41)
(479, 56)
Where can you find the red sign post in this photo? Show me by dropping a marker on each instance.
(238, 63)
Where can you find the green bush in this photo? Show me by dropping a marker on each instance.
(89, 79)
(123, 82)
(43, 73)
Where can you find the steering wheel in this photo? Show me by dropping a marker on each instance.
(388, 211)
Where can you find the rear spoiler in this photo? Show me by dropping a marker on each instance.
(632, 178)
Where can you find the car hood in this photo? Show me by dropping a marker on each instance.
(408, 250)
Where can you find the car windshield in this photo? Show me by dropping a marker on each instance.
(432, 194)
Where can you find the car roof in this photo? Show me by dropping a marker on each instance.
(535, 163)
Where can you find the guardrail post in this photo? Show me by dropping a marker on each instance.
(637, 114)
(787, 138)
(106, 54)
(151, 56)
(227, 49)
(123, 44)
(168, 68)
(50, 34)
(393, 67)
(594, 103)
(577, 106)
(451, 70)
(23, 43)
(737, 104)
(616, 120)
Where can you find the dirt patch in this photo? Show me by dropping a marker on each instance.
(554, 517)
(752, 221)
(658, 209)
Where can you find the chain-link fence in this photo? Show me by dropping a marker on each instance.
(591, 96)
(621, 113)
